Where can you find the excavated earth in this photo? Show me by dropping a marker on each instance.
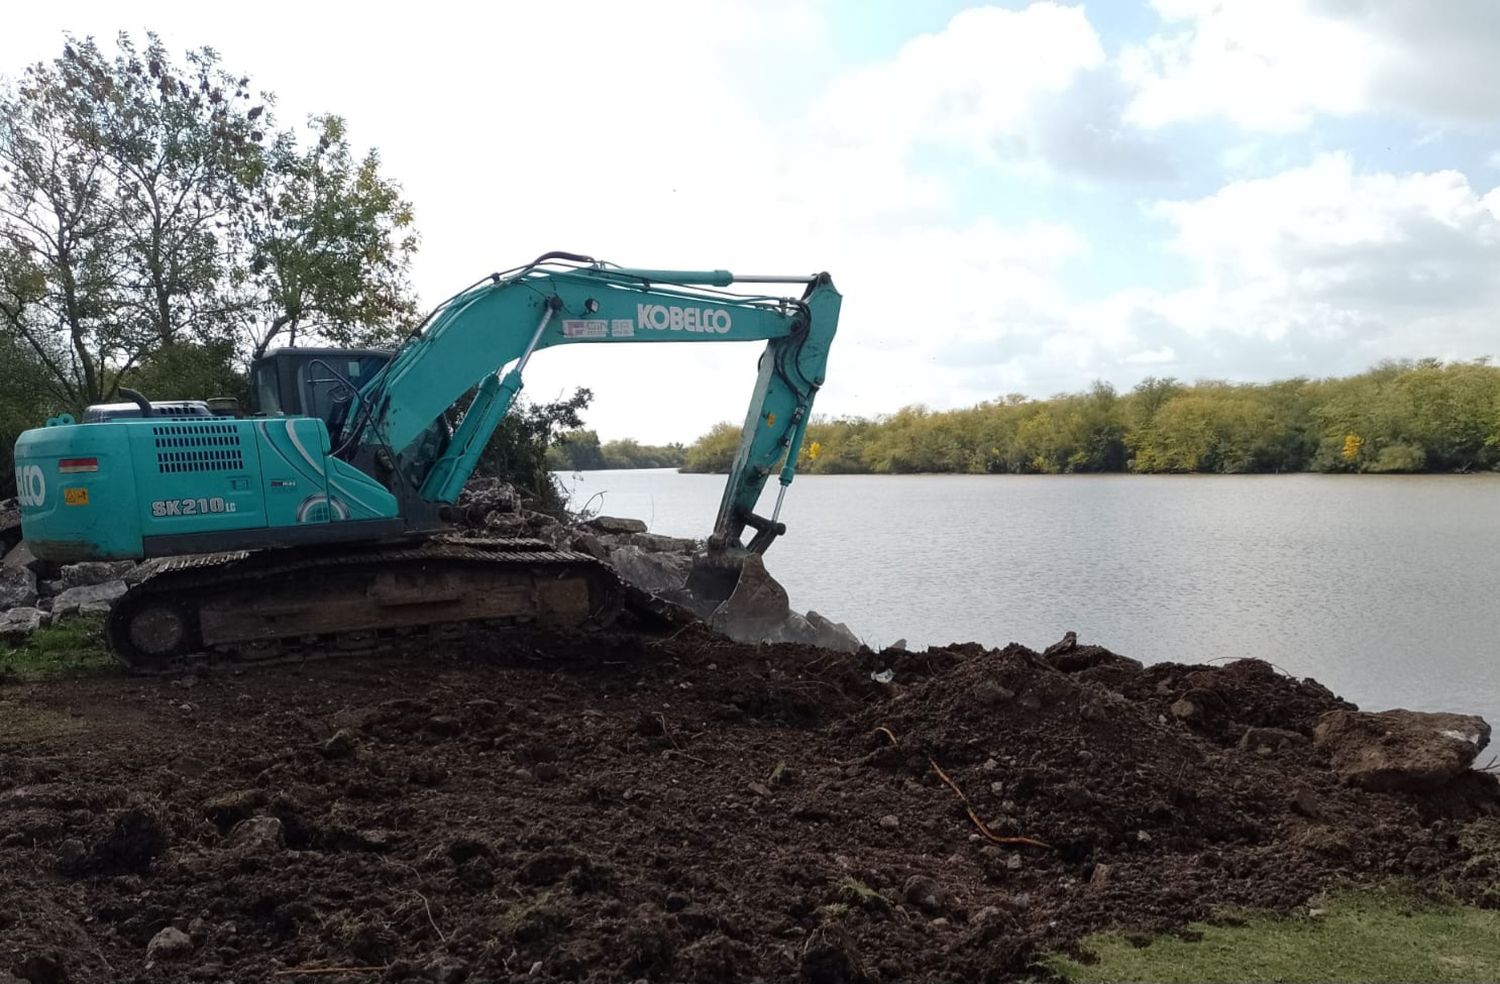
(628, 807)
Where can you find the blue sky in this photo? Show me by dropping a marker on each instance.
(1018, 197)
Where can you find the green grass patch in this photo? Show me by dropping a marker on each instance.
(73, 647)
(1376, 935)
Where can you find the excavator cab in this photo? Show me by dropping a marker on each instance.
(312, 382)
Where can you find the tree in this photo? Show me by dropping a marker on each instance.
(517, 451)
(714, 451)
(62, 259)
(182, 146)
(141, 207)
(327, 243)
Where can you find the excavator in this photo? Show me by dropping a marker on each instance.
(322, 519)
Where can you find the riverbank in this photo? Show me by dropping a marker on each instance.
(680, 807)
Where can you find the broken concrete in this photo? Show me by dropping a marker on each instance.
(17, 588)
(88, 599)
(18, 623)
(1400, 750)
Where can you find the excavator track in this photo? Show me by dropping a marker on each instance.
(296, 604)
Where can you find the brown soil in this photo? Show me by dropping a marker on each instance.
(621, 808)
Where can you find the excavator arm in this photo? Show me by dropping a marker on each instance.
(565, 299)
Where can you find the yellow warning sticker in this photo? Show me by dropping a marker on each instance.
(76, 497)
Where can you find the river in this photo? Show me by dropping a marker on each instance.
(1384, 588)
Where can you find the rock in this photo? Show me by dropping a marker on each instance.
(94, 572)
(656, 573)
(1201, 709)
(1275, 739)
(613, 524)
(1400, 750)
(257, 835)
(899, 645)
(20, 555)
(795, 629)
(71, 854)
(448, 970)
(18, 623)
(759, 789)
(169, 944)
(17, 588)
(890, 822)
(342, 745)
(443, 724)
(1305, 802)
(830, 957)
(833, 635)
(656, 543)
(88, 599)
(1067, 644)
(590, 544)
(928, 895)
(1100, 877)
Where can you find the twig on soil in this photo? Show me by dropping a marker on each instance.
(1226, 659)
(887, 732)
(300, 971)
(681, 754)
(992, 837)
(431, 920)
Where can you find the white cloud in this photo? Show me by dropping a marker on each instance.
(1028, 88)
(1335, 269)
(1278, 64)
(1265, 64)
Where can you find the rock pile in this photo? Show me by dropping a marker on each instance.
(758, 611)
(34, 593)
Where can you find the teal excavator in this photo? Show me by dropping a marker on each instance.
(322, 518)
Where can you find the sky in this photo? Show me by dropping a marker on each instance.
(1012, 198)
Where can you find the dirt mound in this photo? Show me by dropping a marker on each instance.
(679, 808)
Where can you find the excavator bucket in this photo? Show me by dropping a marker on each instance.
(736, 595)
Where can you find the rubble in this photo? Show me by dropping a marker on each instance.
(1404, 750)
(87, 599)
(18, 588)
(18, 623)
(665, 567)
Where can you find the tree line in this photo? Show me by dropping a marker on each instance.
(580, 450)
(1401, 416)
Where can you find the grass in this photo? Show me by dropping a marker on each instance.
(1373, 935)
(71, 648)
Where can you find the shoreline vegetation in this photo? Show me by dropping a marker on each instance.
(1399, 417)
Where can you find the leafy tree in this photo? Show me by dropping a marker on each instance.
(143, 205)
(714, 451)
(327, 244)
(517, 451)
(575, 450)
(62, 256)
(181, 145)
